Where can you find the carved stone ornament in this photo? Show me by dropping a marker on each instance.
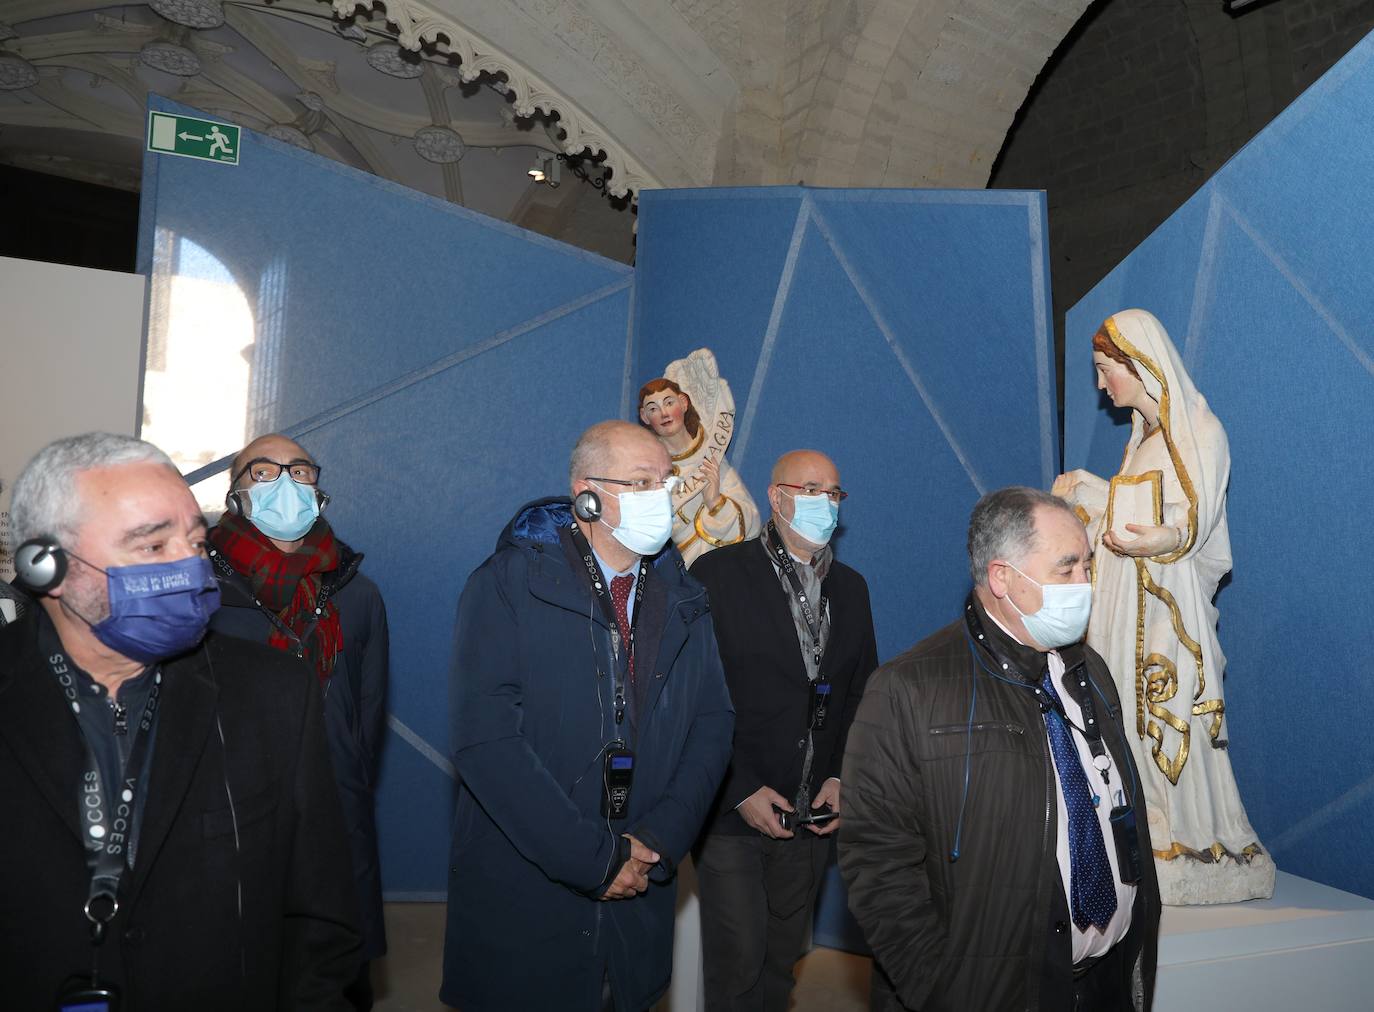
(389, 58)
(417, 25)
(16, 73)
(288, 134)
(191, 13)
(438, 144)
(7, 32)
(311, 101)
(170, 58)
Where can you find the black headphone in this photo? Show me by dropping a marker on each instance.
(587, 506)
(233, 503)
(40, 564)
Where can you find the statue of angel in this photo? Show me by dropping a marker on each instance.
(690, 408)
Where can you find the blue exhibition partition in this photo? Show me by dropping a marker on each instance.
(1262, 280)
(904, 332)
(438, 363)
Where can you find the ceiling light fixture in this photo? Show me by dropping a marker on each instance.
(546, 170)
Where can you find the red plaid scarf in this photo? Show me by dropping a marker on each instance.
(288, 583)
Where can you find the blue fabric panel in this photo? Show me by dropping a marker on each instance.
(905, 333)
(1262, 281)
(438, 363)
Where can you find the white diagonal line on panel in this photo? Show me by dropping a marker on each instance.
(881, 322)
(436, 367)
(1036, 227)
(627, 377)
(770, 336)
(1301, 288)
(427, 750)
(1204, 284)
(1338, 806)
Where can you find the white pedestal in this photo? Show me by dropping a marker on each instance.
(1310, 948)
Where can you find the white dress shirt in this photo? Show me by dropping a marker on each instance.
(1094, 941)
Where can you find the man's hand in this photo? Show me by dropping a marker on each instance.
(633, 878)
(829, 794)
(1151, 541)
(757, 811)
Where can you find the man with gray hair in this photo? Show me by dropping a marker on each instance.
(591, 728)
(995, 846)
(174, 842)
(13, 603)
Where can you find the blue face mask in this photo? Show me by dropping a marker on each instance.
(157, 610)
(815, 517)
(1063, 615)
(283, 509)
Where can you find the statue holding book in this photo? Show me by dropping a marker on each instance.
(1159, 534)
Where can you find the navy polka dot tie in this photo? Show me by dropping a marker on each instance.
(620, 596)
(1090, 875)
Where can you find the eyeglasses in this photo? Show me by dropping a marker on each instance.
(641, 484)
(261, 469)
(836, 495)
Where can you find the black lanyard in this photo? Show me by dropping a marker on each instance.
(229, 573)
(784, 561)
(1046, 701)
(107, 822)
(603, 594)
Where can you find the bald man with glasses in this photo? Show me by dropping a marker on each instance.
(796, 639)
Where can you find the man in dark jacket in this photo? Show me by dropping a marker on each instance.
(287, 581)
(796, 640)
(995, 845)
(591, 727)
(169, 786)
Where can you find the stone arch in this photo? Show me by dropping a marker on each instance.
(914, 92)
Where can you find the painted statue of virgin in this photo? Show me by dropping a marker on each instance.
(1161, 546)
(690, 408)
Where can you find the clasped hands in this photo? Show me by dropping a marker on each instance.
(633, 877)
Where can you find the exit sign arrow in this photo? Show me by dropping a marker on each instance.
(170, 134)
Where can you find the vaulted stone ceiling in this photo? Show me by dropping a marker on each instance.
(661, 92)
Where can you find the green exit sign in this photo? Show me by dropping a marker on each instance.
(193, 138)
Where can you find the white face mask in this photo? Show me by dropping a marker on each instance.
(1063, 615)
(646, 520)
(814, 517)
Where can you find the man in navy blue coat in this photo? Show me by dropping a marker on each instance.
(584, 653)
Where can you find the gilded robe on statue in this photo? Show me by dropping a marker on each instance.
(1154, 622)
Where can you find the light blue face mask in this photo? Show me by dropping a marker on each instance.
(283, 509)
(1063, 615)
(815, 517)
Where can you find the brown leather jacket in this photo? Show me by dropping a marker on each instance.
(988, 931)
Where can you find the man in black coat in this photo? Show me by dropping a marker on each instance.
(170, 788)
(796, 640)
(286, 580)
(996, 850)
